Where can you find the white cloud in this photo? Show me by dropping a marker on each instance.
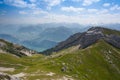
(84, 10)
(97, 11)
(23, 12)
(21, 3)
(86, 2)
(76, 0)
(38, 12)
(103, 11)
(17, 3)
(33, 12)
(72, 9)
(82, 19)
(92, 10)
(32, 6)
(33, 3)
(106, 4)
(52, 3)
(115, 7)
(91, 16)
(89, 2)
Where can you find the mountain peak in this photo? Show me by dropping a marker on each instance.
(88, 38)
(95, 28)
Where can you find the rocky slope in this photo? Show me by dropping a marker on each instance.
(7, 47)
(89, 37)
(4, 76)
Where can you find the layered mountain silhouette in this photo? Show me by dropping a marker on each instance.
(9, 38)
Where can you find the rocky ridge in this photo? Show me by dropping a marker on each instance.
(88, 38)
(7, 47)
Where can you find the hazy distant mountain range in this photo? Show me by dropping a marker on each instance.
(43, 36)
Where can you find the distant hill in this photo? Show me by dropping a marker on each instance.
(55, 34)
(47, 38)
(15, 49)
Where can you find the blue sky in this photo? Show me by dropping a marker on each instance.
(70, 11)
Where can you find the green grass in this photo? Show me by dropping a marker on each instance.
(109, 31)
(91, 63)
(88, 64)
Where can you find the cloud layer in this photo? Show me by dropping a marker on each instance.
(73, 11)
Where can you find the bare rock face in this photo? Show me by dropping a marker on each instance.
(113, 40)
(73, 40)
(88, 38)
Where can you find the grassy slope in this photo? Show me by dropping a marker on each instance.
(92, 63)
(110, 31)
(97, 62)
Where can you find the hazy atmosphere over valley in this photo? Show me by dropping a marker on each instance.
(59, 40)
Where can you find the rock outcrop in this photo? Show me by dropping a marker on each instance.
(7, 47)
(4, 76)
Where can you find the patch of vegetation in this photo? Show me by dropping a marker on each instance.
(100, 61)
(110, 31)
(89, 64)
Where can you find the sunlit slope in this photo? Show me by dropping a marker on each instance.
(100, 61)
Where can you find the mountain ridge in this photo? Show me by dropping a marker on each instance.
(15, 49)
(88, 38)
(97, 59)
